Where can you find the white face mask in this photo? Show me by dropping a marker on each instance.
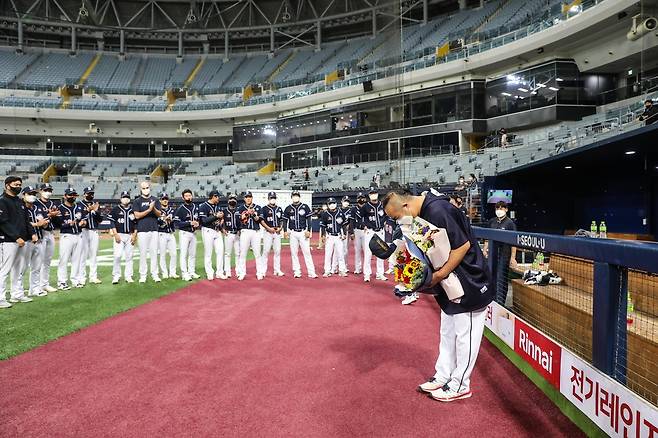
(332, 206)
(125, 201)
(500, 213)
(272, 201)
(405, 222)
(30, 198)
(46, 195)
(295, 199)
(324, 208)
(146, 192)
(374, 198)
(345, 204)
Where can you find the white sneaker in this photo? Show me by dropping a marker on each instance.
(431, 385)
(115, 281)
(381, 277)
(221, 276)
(95, 281)
(326, 274)
(39, 293)
(49, 288)
(241, 277)
(165, 276)
(366, 279)
(342, 274)
(228, 275)
(210, 277)
(313, 276)
(21, 300)
(358, 272)
(297, 275)
(187, 278)
(80, 285)
(174, 276)
(4, 304)
(279, 274)
(389, 271)
(142, 280)
(448, 395)
(259, 276)
(195, 276)
(129, 280)
(157, 279)
(412, 298)
(63, 286)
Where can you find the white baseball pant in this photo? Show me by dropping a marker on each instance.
(28, 259)
(461, 335)
(358, 250)
(272, 242)
(123, 250)
(47, 252)
(148, 246)
(297, 240)
(167, 245)
(334, 258)
(213, 240)
(231, 246)
(69, 251)
(89, 254)
(187, 243)
(250, 239)
(367, 254)
(333, 246)
(7, 260)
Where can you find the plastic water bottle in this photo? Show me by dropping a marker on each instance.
(535, 262)
(540, 261)
(603, 230)
(593, 229)
(630, 310)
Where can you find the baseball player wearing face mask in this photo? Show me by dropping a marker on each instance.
(297, 228)
(373, 221)
(31, 256)
(186, 219)
(124, 233)
(70, 222)
(273, 216)
(89, 237)
(166, 239)
(231, 234)
(146, 209)
(23, 256)
(211, 218)
(347, 212)
(49, 210)
(333, 221)
(322, 236)
(357, 226)
(250, 237)
(14, 227)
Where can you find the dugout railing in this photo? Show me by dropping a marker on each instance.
(597, 299)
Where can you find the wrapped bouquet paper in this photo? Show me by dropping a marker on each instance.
(427, 250)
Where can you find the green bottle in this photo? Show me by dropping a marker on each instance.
(593, 229)
(603, 230)
(630, 309)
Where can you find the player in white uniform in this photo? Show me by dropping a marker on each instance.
(146, 209)
(48, 235)
(297, 228)
(167, 239)
(186, 219)
(273, 217)
(250, 237)
(211, 219)
(358, 232)
(89, 238)
(70, 222)
(31, 257)
(333, 222)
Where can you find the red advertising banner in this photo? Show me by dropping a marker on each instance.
(540, 352)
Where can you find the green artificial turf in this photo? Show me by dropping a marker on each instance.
(26, 326)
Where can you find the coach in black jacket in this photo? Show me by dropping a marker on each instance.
(14, 230)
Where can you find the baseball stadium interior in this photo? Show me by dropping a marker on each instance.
(535, 120)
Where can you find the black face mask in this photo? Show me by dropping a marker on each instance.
(232, 203)
(89, 197)
(14, 190)
(188, 201)
(70, 199)
(362, 201)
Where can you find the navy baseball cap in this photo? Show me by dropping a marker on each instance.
(248, 194)
(70, 191)
(126, 194)
(346, 198)
(331, 201)
(213, 193)
(295, 192)
(232, 196)
(164, 195)
(46, 186)
(271, 195)
(373, 190)
(29, 189)
(88, 190)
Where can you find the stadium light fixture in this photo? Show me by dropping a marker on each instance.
(553, 89)
(48, 140)
(525, 90)
(630, 152)
(568, 167)
(505, 94)
(559, 79)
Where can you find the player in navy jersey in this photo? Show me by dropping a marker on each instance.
(124, 232)
(167, 239)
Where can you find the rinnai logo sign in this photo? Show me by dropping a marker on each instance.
(540, 352)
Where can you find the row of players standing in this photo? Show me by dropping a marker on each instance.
(229, 233)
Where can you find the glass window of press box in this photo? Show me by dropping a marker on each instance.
(550, 84)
